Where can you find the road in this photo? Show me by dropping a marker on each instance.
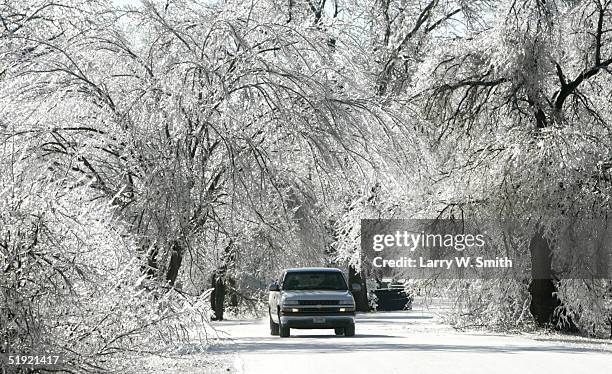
(408, 342)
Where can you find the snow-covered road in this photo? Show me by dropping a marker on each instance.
(409, 342)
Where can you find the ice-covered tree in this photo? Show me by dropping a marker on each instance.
(521, 124)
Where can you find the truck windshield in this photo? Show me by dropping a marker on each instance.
(314, 281)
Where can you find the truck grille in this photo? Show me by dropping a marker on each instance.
(318, 302)
(318, 312)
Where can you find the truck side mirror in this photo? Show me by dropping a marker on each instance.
(274, 287)
(355, 287)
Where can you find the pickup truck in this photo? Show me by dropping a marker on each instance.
(312, 298)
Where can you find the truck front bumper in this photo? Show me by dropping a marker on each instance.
(317, 322)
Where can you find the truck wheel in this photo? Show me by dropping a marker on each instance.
(284, 331)
(349, 330)
(273, 327)
(339, 330)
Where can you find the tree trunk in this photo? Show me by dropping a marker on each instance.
(361, 297)
(542, 287)
(176, 258)
(217, 297)
(545, 306)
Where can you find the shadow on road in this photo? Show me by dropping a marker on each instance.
(577, 340)
(389, 320)
(407, 315)
(325, 343)
(332, 336)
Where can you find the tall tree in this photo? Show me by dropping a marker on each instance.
(522, 98)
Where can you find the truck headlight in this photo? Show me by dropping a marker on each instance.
(346, 302)
(290, 302)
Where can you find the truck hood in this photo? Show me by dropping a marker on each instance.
(316, 295)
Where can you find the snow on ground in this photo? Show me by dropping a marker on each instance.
(191, 363)
(407, 342)
(192, 357)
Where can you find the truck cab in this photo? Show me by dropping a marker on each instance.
(312, 298)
